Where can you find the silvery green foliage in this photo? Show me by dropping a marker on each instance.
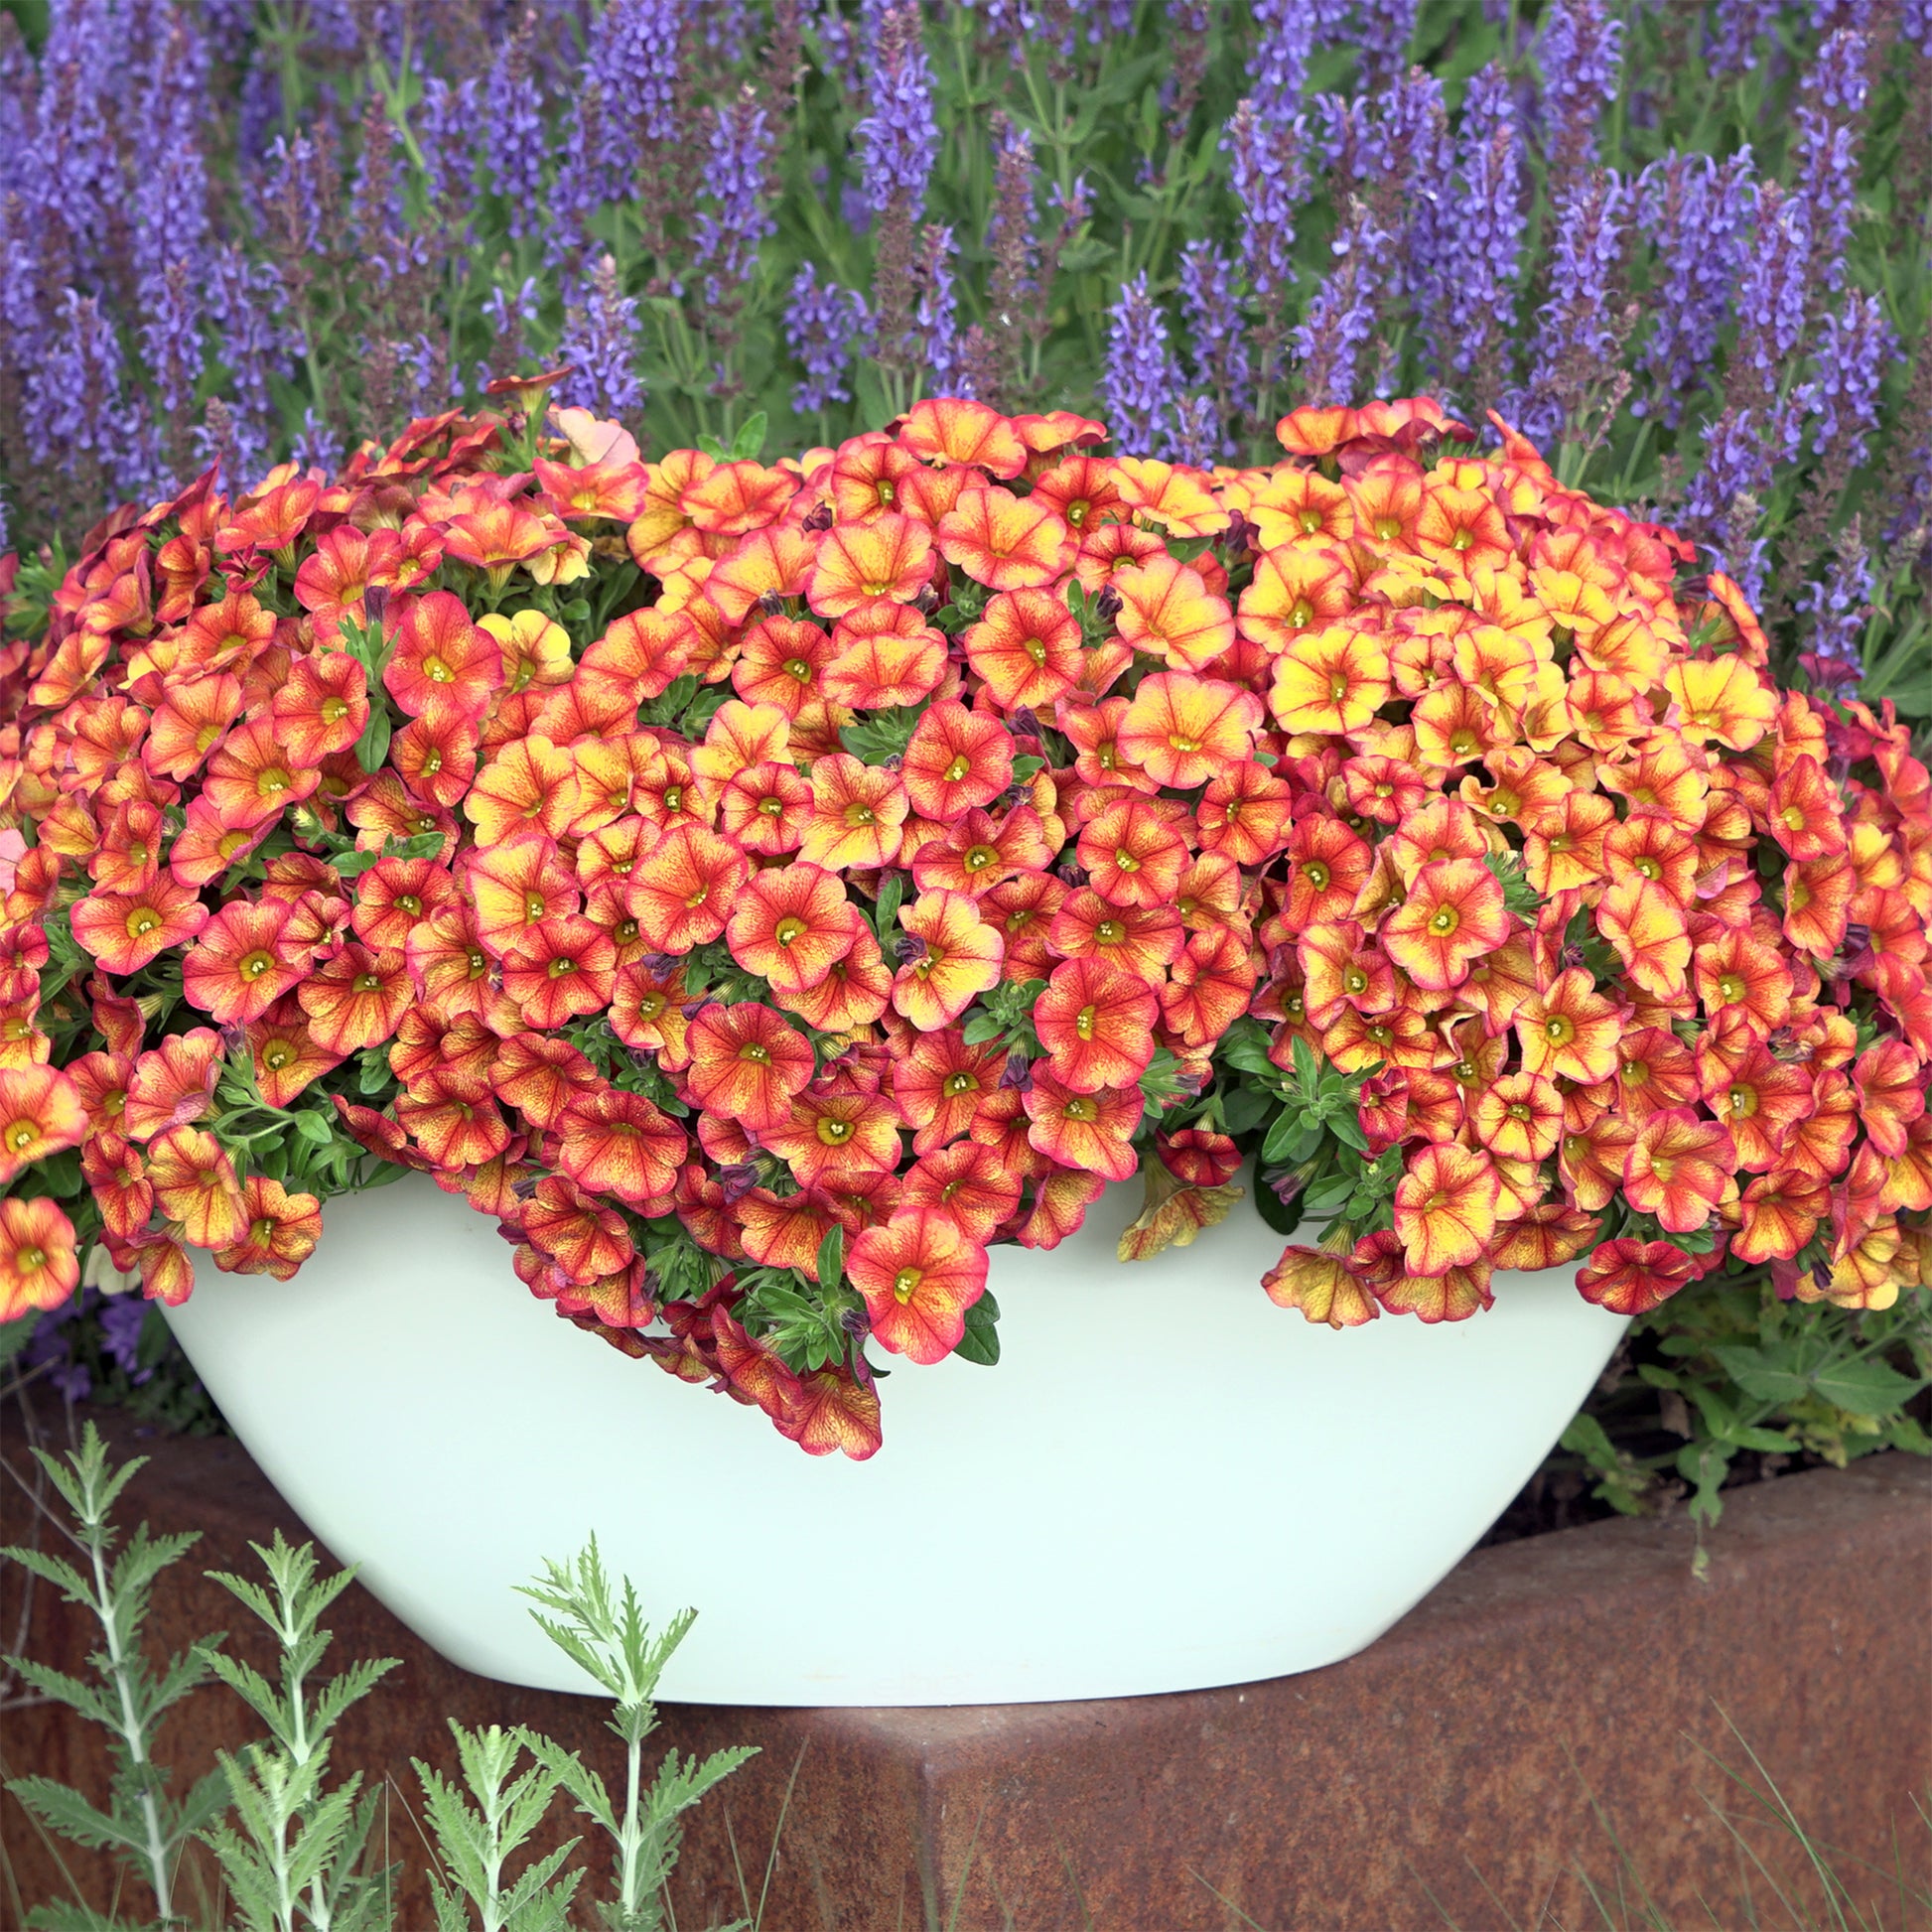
(142, 1824)
(604, 1633)
(294, 1849)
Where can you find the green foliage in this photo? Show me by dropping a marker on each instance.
(295, 1849)
(603, 1631)
(142, 1823)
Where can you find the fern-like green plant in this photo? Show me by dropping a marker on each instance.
(142, 1823)
(293, 1855)
(604, 1632)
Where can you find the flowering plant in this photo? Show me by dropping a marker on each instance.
(762, 889)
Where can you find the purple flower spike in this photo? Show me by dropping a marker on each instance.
(515, 137)
(728, 235)
(1854, 350)
(1576, 335)
(1142, 379)
(1581, 57)
(899, 139)
(1697, 214)
(1484, 226)
(600, 339)
(1340, 318)
(824, 327)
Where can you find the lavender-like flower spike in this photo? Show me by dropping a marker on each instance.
(1270, 180)
(727, 235)
(1771, 296)
(600, 339)
(1484, 224)
(1197, 439)
(1854, 349)
(1734, 30)
(1578, 337)
(79, 387)
(514, 138)
(1739, 451)
(1580, 52)
(1837, 607)
(824, 327)
(1142, 380)
(1385, 29)
(935, 322)
(1830, 127)
(248, 303)
(1341, 319)
(1287, 33)
(1220, 350)
(1697, 214)
(899, 139)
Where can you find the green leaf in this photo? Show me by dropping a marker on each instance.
(373, 746)
(750, 439)
(1242, 1110)
(15, 1336)
(313, 1127)
(1865, 1388)
(981, 1342)
(831, 1259)
(1758, 1378)
(1283, 1216)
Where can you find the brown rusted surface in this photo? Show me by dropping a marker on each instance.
(1444, 1776)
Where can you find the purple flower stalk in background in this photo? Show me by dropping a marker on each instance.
(1734, 30)
(934, 321)
(1771, 295)
(80, 393)
(1580, 52)
(727, 234)
(1739, 450)
(1855, 347)
(1270, 180)
(1830, 126)
(600, 339)
(1384, 29)
(1220, 348)
(1142, 380)
(1697, 214)
(1287, 33)
(899, 139)
(247, 303)
(1198, 436)
(1483, 230)
(1410, 197)
(824, 327)
(514, 138)
(1837, 607)
(1340, 318)
(1577, 337)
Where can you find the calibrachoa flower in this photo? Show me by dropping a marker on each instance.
(950, 824)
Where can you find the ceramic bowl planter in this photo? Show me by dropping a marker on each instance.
(1166, 1483)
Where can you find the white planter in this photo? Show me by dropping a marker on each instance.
(1166, 1483)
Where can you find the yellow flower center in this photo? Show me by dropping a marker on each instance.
(904, 1282)
(277, 1055)
(958, 769)
(954, 1084)
(1081, 1108)
(757, 1055)
(1181, 744)
(1083, 1022)
(559, 966)
(1731, 986)
(1126, 861)
(1445, 921)
(835, 1133)
(366, 983)
(1558, 1030)
(788, 928)
(31, 1259)
(798, 669)
(256, 964)
(979, 857)
(1316, 874)
(1036, 649)
(141, 923)
(21, 1133)
(436, 671)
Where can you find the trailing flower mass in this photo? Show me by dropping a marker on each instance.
(763, 888)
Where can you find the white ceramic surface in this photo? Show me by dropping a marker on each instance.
(1166, 1483)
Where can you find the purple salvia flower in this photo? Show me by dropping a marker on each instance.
(246, 301)
(1197, 438)
(1577, 336)
(1385, 27)
(1142, 380)
(1287, 33)
(1697, 214)
(1771, 295)
(511, 318)
(1580, 52)
(1828, 119)
(582, 183)
(317, 446)
(824, 327)
(1734, 30)
(1484, 226)
(51, 1350)
(445, 127)
(1837, 607)
(1220, 348)
(19, 86)
(1741, 451)
(934, 319)
(515, 139)
(121, 1318)
(1854, 348)
(600, 339)
(1915, 25)
(80, 392)
(1340, 318)
(727, 234)
(1414, 198)
(633, 56)
(1348, 138)
(899, 139)
(1270, 175)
